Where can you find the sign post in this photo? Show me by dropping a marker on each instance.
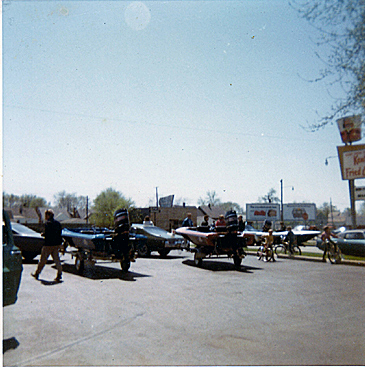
(359, 193)
(352, 162)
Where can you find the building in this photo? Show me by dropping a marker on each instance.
(170, 218)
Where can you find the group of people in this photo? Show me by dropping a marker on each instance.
(221, 222)
(290, 240)
(53, 238)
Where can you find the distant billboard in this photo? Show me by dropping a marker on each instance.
(262, 211)
(299, 212)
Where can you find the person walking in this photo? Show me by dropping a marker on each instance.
(326, 238)
(205, 222)
(53, 240)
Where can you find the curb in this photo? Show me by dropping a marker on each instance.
(315, 259)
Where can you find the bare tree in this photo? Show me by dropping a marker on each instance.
(270, 197)
(25, 200)
(70, 201)
(211, 198)
(342, 28)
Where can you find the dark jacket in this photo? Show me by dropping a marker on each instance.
(290, 237)
(52, 233)
(187, 223)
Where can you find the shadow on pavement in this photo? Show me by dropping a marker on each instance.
(157, 256)
(36, 261)
(9, 344)
(102, 272)
(221, 266)
(49, 283)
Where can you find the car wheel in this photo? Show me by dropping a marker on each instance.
(143, 251)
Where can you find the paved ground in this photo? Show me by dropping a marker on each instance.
(169, 312)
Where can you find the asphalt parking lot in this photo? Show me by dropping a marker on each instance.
(169, 312)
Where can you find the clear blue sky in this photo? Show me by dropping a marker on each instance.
(186, 96)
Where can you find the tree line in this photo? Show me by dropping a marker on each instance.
(108, 201)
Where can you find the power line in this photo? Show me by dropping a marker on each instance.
(195, 128)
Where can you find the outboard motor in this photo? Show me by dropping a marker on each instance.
(121, 220)
(120, 244)
(231, 220)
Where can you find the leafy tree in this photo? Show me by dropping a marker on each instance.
(324, 212)
(211, 198)
(270, 197)
(342, 28)
(105, 204)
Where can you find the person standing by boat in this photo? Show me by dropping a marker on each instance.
(188, 222)
(205, 221)
(147, 221)
(53, 240)
(220, 222)
(241, 224)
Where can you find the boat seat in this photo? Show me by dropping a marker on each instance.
(203, 229)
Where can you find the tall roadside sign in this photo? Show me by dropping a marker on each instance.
(352, 157)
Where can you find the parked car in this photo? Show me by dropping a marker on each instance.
(12, 264)
(350, 242)
(158, 240)
(27, 240)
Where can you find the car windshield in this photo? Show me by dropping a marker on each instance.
(357, 235)
(21, 229)
(250, 228)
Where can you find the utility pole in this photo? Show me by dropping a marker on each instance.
(87, 210)
(281, 201)
(352, 200)
(156, 197)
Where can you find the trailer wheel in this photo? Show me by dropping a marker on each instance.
(125, 265)
(197, 261)
(237, 260)
(164, 252)
(79, 264)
